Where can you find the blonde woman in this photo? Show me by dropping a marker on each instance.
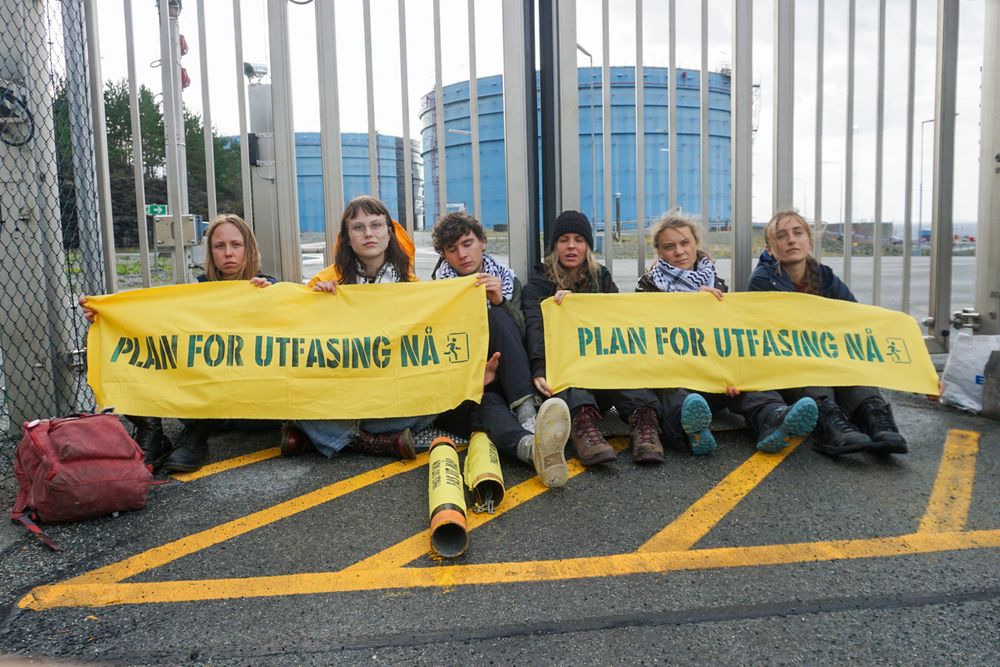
(851, 419)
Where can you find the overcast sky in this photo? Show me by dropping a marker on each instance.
(455, 55)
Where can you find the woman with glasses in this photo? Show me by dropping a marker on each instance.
(368, 251)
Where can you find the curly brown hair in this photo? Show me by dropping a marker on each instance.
(453, 226)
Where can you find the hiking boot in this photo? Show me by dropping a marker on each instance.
(398, 445)
(591, 447)
(785, 423)
(874, 418)
(834, 434)
(294, 441)
(191, 452)
(153, 442)
(646, 446)
(549, 450)
(696, 422)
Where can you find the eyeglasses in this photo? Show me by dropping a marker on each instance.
(376, 227)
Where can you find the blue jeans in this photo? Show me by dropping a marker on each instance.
(332, 435)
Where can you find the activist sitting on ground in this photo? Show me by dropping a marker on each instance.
(367, 252)
(851, 419)
(507, 411)
(231, 254)
(683, 266)
(571, 266)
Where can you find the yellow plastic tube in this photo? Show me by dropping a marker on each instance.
(449, 531)
(483, 475)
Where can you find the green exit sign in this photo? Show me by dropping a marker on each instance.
(156, 209)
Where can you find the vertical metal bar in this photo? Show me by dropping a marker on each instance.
(548, 79)
(640, 145)
(569, 106)
(703, 181)
(241, 99)
(442, 140)
(879, 143)
(137, 163)
(988, 229)
(100, 146)
(908, 187)
(818, 224)
(373, 184)
(520, 145)
(848, 231)
(405, 110)
(206, 113)
(170, 122)
(741, 130)
(606, 166)
(329, 122)
(284, 141)
(672, 147)
(784, 104)
(944, 175)
(477, 197)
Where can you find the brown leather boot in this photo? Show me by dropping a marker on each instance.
(591, 447)
(646, 446)
(399, 445)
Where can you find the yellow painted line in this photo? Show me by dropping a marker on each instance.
(228, 464)
(185, 546)
(104, 594)
(951, 496)
(698, 519)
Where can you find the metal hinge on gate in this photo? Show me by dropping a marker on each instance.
(78, 359)
(967, 318)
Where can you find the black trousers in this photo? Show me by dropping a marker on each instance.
(492, 416)
(753, 406)
(513, 374)
(625, 401)
(848, 398)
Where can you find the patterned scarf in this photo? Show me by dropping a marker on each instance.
(386, 274)
(490, 266)
(669, 278)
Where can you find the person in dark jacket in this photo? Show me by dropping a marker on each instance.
(851, 419)
(682, 266)
(571, 266)
(507, 412)
(230, 254)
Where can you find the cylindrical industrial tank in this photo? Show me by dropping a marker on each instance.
(458, 142)
(354, 147)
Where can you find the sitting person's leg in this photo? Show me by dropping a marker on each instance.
(870, 412)
(638, 407)
(590, 446)
(513, 373)
(686, 416)
(774, 422)
(834, 434)
(191, 448)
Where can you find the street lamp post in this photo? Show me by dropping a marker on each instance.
(593, 153)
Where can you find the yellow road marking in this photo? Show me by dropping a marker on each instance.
(685, 531)
(951, 496)
(418, 545)
(228, 464)
(157, 556)
(104, 594)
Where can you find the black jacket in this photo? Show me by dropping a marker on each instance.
(537, 289)
(768, 277)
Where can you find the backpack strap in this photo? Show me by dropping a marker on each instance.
(25, 520)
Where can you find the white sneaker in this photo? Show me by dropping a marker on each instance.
(551, 435)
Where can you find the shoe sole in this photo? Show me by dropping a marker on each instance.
(607, 456)
(799, 421)
(552, 429)
(407, 451)
(848, 448)
(696, 418)
(881, 447)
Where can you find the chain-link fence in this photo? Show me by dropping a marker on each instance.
(50, 250)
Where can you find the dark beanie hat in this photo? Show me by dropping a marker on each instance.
(571, 222)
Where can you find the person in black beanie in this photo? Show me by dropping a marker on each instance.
(571, 266)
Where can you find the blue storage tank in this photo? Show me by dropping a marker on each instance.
(354, 145)
(458, 144)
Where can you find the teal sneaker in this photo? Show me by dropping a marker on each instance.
(783, 424)
(696, 422)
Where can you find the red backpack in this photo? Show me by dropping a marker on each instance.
(77, 468)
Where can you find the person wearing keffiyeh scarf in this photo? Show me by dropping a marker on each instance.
(682, 266)
(507, 412)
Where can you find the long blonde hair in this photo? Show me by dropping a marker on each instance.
(673, 219)
(251, 254)
(812, 284)
(586, 277)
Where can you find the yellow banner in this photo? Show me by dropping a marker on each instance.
(232, 350)
(752, 341)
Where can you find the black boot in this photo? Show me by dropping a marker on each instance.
(155, 445)
(192, 448)
(835, 434)
(874, 417)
